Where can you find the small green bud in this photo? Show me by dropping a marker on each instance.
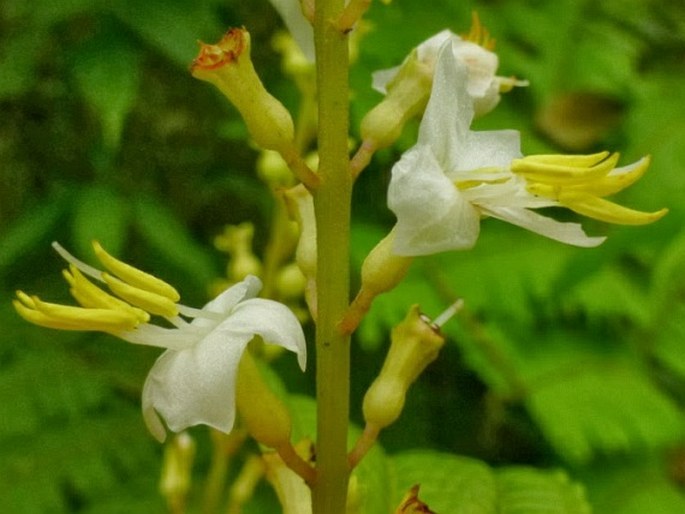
(407, 97)
(415, 343)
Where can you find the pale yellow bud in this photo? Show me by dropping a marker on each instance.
(407, 97)
(290, 282)
(264, 415)
(415, 343)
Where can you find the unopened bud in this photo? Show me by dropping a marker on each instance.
(175, 481)
(264, 415)
(236, 240)
(290, 282)
(273, 170)
(415, 343)
(382, 270)
(407, 96)
(300, 204)
(229, 67)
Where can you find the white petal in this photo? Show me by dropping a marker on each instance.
(249, 287)
(569, 233)
(489, 148)
(272, 321)
(432, 215)
(194, 386)
(381, 78)
(482, 66)
(445, 124)
(428, 50)
(298, 25)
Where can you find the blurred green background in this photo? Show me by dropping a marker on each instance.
(563, 358)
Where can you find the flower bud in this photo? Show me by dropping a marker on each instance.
(236, 240)
(382, 270)
(177, 466)
(228, 66)
(407, 96)
(264, 415)
(415, 343)
(273, 170)
(300, 204)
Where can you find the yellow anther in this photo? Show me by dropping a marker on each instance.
(147, 300)
(91, 296)
(134, 276)
(604, 210)
(561, 172)
(66, 317)
(478, 34)
(615, 182)
(570, 160)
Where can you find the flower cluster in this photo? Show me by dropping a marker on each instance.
(194, 380)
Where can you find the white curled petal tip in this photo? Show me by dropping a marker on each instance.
(273, 322)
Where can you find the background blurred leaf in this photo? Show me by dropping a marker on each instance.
(106, 70)
(165, 233)
(100, 214)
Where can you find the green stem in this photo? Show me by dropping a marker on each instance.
(332, 205)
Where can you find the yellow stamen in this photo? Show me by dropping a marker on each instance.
(135, 277)
(570, 160)
(147, 300)
(89, 295)
(478, 33)
(613, 183)
(65, 317)
(604, 210)
(562, 172)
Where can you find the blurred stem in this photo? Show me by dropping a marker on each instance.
(279, 248)
(332, 206)
(223, 448)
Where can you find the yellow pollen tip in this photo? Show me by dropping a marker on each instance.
(91, 296)
(65, 317)
(478, 34)
(134, 276)
(145, 299)
(607, 211)
(565, 170)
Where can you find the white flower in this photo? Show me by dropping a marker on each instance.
(482, 85)
(453, 176)
(193, 382)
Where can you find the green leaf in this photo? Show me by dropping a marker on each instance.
(106, 70)
(524, 490)
(31, 230)
(173, 26)
(18, 61)
(605, 409)
(100, 214)
(449, 484)
(163, 231)
(642, 485)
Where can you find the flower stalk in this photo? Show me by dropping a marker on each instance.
(332, 207)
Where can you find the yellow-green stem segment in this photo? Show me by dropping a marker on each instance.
(332, 205)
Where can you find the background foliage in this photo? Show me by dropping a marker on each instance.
(564, 358)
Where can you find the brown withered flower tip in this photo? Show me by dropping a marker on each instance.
(411, 503)
(226, 51)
